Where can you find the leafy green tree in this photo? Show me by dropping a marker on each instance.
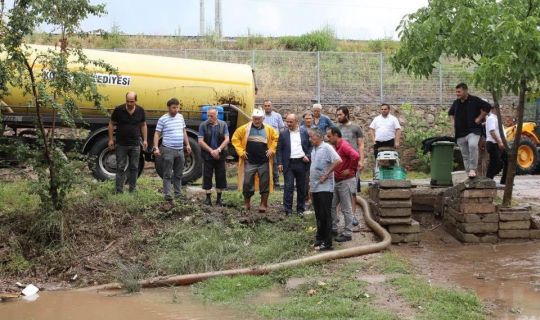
(56, 78)
(501, 38)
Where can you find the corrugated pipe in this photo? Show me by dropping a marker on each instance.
(265, 269)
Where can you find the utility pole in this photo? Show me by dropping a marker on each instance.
(217, 27)
(201, 19)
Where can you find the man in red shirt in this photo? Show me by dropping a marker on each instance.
(345, 180)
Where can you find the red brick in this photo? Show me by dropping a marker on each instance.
(477, 208)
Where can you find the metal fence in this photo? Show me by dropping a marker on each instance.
(335, 78)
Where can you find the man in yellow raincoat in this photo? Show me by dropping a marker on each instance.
(255, 144)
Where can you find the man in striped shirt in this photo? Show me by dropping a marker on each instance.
(172, 128)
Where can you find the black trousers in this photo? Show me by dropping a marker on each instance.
(495, 159)
(296, 172)
(378, 144)
(322, 204)
(211, 166)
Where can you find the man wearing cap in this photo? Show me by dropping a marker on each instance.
(275, 120)
(255, 144)
(320, 121)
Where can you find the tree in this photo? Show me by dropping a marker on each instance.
(499, 37)
(56, 78)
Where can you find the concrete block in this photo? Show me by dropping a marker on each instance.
(474, 238)
(414, 227)
(479, 183)
(389, 184)
(395, 212)
(535, 221)
(395, 194)
(479, 193)
(478, 227)
(515, 225)
(523, 208)
(534, 234)
(390, 221)
(405, 237)
(477, 208)
(514, 234)
(395, 204)
(471, 217)
(514, 216)
(475, 200)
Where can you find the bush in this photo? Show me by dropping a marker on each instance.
(319, 40)
(418, 129)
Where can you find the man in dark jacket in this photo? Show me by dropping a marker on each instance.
(213, 139)
(468, 112)
(293, 154)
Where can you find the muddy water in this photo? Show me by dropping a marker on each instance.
(506, 276)
(154, 304)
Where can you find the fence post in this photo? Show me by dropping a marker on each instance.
(381, 78)
(318, 77)
(440, 83)
(253, 59)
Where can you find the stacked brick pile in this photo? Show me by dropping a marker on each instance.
(392, 206)
(515, 223)
(469, 213)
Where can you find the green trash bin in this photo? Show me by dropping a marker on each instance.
(442, 163)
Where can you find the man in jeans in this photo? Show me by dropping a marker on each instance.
(130, 122)
(275, 120)
(213, 139)
(467, 113)
(172, 128)
(345, 180)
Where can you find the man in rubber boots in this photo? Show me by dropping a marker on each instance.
(255, 144)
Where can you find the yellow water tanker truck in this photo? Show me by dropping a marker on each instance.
(196, 83)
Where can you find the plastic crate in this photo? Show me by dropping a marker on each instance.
(393, 173)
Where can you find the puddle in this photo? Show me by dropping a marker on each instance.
(505, 275)
(151, 304)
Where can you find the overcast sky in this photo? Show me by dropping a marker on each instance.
(351, 19)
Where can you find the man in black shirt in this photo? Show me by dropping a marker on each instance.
(468, 112)
(130, 122)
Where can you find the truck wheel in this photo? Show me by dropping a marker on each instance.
(103, 161)
(527, 156)
(192, 164)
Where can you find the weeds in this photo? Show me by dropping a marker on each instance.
(129, 276)
(390, 262)
(232, 289)
(438, 303)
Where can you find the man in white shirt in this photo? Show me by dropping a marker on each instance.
(385, 130)
(494, 145)
(293, 153)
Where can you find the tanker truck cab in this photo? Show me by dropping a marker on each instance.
(196, 83)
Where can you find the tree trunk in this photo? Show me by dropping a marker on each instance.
(512, 155)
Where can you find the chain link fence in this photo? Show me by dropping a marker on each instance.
(336, 78)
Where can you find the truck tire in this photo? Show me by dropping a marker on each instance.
(527, 156)
(192, 164)
(103, 161)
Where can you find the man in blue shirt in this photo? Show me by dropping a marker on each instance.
(320, 121)
(172, 128)
(213, 139)
(275, 120)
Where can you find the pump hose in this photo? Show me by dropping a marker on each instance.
(187, 279)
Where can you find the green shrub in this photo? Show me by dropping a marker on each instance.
(319, 40)
(417, 129)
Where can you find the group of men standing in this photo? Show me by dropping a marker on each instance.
(320, 158)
